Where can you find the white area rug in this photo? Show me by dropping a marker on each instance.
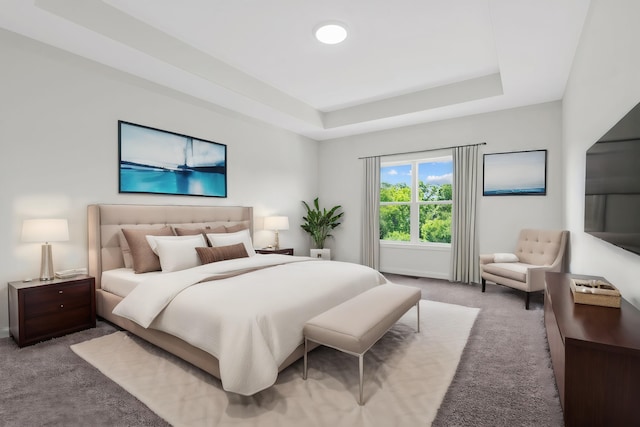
(406, 376)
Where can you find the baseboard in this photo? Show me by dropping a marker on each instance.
(4, 332)
(417, 273)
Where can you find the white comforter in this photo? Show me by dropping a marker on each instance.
(252, 321)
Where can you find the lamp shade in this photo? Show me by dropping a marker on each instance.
(45, 230)
(276, 223)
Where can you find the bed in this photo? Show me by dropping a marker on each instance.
(240, 320)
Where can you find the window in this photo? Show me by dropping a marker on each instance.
(416, 200)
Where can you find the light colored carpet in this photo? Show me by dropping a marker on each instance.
(406, 377)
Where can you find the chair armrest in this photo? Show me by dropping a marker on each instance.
(535, 277)
(486, 259)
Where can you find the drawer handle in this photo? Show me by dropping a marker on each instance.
(61, 305)
(60, 292)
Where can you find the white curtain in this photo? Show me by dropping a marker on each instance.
(465, 263)
(370, 250)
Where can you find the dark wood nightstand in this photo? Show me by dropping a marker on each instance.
(282, 251)
(39, 310)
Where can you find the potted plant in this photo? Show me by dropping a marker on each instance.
(319, 223)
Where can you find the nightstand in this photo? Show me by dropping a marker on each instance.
(39, 310)
(282, 251)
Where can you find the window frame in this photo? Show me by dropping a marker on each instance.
(414, 204)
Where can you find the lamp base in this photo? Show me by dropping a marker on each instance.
(276, 246)
(46, 263)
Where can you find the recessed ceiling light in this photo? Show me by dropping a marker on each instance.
(332, 33)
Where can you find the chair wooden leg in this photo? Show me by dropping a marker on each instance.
(361, 369)
(306, 350)
(526, 301)
(484, 284)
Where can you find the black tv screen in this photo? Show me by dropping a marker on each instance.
(612, 185)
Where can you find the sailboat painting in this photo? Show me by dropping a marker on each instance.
(162, 162)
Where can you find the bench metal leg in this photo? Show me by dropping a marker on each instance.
(418, 308)
(304, 372)
(361, 361)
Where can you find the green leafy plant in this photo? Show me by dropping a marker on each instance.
(319, 222)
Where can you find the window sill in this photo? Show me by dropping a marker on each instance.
(443, 247)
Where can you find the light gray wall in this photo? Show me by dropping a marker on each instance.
(59, 146)
(603, 86)
(499, 218)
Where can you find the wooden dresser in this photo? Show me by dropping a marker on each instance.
(595, 353)
(39, 310)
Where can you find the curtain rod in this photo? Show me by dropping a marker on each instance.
(422, 151)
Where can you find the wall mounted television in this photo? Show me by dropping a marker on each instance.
(612, 185)
(162, 162)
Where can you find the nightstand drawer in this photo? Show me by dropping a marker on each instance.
(55, 299)
(65, 320)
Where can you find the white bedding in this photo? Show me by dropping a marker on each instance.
(121, 281)
(251, 322)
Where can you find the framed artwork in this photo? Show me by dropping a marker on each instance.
(515, 173)
(161, 162)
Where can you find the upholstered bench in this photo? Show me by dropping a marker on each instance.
(357, 324)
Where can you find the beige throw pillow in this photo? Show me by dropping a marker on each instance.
(234, 228)
(143, 258)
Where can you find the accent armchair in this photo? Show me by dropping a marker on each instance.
(537, 251)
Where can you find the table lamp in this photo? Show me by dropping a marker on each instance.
(45, 230)
(276, 223)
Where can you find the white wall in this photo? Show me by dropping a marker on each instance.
(603, 86)
(59, 146)
(499, 218)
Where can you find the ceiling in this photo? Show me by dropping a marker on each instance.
(404, 62)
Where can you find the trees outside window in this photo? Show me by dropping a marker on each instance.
(416, 200)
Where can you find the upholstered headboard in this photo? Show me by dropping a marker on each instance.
(106, 221)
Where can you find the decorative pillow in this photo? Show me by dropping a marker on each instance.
(137, 248)
(153, 240)
(235, 228)
(177, 252)
(227, 239)
(505, 257)
(221, 253)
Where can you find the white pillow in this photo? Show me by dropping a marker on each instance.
(226, 239)
(177, 252)
(505, 257)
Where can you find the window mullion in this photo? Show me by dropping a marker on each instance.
(415, 209)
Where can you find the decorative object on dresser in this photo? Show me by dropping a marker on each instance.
(319, 223)
(45, 230)
(595, 352)
(276, 223)
(595, 292)
(536, 251)
(39, 310)
(281, 251)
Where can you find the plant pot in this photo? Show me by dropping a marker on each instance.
(321, 253)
